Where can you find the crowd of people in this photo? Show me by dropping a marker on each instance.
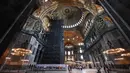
(76, 66)
(81, 67)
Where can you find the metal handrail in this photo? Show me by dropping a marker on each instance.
(6, 33)
(15, 21)
(124, 24)
(118, 15)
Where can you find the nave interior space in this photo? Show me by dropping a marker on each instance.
(81, 34)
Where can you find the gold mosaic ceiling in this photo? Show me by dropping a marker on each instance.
(72, 37)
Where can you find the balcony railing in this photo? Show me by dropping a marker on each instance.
(99, 38)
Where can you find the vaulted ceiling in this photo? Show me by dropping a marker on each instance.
(72, 12)
(73, 37)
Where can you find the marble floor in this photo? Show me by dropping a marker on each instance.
(73, 71)
(84, 71)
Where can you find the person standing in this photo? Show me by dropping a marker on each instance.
(69, 68)
(98, 71)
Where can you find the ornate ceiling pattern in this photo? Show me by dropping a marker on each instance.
(72, 16)
(73, 12)
(72, 37)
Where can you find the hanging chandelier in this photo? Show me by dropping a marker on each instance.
(114, 51)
